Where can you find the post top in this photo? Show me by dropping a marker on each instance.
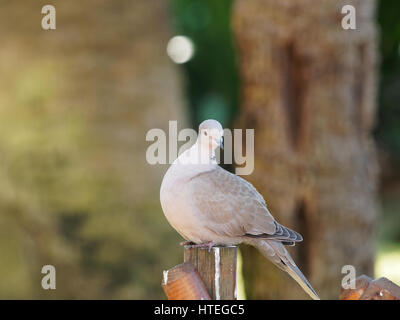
(188, 246)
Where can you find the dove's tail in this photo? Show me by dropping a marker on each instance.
(297, 275)
(276, 253)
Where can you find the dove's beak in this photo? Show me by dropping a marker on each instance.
(220, 143)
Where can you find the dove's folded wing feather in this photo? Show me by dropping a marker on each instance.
(234, 208)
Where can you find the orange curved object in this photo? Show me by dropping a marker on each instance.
(183, 283)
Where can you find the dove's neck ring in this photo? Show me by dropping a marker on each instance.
(199, 153)
(203, 151)
(206, 148)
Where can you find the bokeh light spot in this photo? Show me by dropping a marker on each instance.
(180, 49)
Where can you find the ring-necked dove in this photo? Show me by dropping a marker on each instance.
(210, 206)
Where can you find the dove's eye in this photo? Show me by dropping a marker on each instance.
(205, 133)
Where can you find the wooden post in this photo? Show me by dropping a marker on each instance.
(216, 268)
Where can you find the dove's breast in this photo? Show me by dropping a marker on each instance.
(176, 203)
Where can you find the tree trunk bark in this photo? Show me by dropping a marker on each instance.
(75, 105)
(308, 89)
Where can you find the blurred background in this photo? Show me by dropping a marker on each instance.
(76, 103)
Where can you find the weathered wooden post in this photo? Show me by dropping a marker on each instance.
(203, 275)
(216, 268)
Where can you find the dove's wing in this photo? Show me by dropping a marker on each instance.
(234, 208)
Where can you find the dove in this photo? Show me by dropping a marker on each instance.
(210, 206)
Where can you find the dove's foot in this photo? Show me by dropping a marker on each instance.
(209, 245)
(186, 243)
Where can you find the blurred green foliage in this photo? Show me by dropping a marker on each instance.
(388, 129)
(212, 77)
(388, 123)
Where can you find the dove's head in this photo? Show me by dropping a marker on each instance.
(210, 134)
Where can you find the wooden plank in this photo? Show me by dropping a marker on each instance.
(216, 268)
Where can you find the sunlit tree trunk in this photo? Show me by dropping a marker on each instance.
(75, 106)
(308, 89)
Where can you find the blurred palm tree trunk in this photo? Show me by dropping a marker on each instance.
(308, 89)
(76, 103)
